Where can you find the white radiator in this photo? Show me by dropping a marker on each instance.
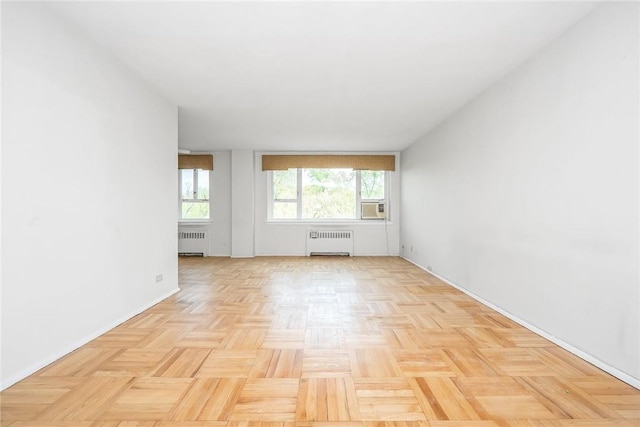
(194, 242)
(329, 242)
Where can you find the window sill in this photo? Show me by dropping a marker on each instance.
(308, 222)
(194, 222)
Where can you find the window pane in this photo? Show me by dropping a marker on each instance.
(285, 210)
(372, 185)
(328, 193)
(195, 210)
(285, 185)
(186, 191)
(203, 184)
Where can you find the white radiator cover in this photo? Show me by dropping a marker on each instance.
(193, 242)
(329, 242)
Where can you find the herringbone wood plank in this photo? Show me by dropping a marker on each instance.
(318, 342)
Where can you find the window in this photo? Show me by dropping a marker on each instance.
(328, 193)
(194, 194)
(285, 194)
(372, 185)
(324, 194)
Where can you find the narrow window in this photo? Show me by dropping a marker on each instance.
(285, 194)
(194, 194)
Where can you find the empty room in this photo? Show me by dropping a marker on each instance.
(320, 214)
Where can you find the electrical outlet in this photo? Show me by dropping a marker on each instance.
(159, 278)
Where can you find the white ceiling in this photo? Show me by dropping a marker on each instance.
(346, 76)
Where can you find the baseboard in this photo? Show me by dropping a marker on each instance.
(622, 376)
(49, 360)
(282, 255)
(377, 255)
(305, 255)
(294, 255)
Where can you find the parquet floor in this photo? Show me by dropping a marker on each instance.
(318, 342)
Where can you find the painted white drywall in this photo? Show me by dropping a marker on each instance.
(371, 238)
(242, 204)
(89, 190)
(221, 204)
(528, 196)
(1, 238)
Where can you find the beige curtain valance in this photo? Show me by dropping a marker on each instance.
(195, 161)
(271, 162)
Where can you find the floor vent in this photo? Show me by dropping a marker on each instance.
(330, 242)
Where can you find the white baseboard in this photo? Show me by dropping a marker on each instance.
(282, 255)
(623, 376)
(377, 255)
(49, 360)
(305, 255)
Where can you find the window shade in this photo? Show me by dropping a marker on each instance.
(195, 161)
(358, 162)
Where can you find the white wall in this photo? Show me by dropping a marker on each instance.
(221, 204)
(242, 204)
(371, 238)
(528, 196)
(89, 188)
(247, 192)
(1, 221)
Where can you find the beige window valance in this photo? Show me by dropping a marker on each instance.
(384, 162)
(195, 161)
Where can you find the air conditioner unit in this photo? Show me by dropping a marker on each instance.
(373, 210)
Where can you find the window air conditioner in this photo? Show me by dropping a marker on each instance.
(373, 210)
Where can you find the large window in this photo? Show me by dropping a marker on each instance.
(194, 194)
(324, 194)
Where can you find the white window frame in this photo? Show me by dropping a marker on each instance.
(359, 198)
(195, 199)
(298, 200)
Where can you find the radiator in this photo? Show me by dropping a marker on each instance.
(329, 242)
(194, 243)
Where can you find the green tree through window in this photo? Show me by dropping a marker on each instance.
(324, 193)
(328, 193)
(372, 185)
(194, 194)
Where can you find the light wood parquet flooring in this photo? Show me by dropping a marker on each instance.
(318, 342)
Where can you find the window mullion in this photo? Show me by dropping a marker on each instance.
(179, 194)
(387, 196)
(299, 192)
(358, 193)
(195, 184)
(270, 200)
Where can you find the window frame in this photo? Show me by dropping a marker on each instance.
(195, 199)
(298, 200)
